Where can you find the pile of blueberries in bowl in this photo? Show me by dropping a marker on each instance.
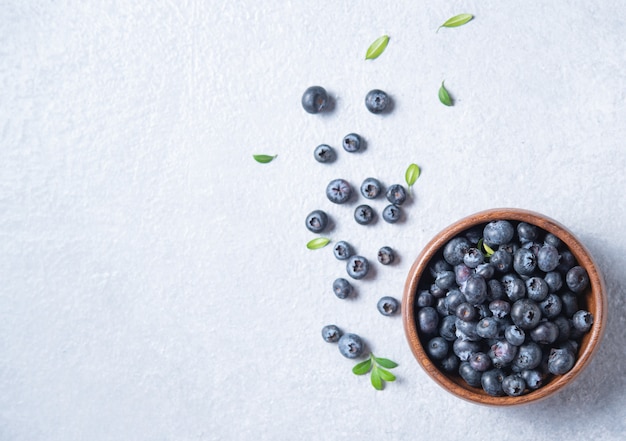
(504, 307)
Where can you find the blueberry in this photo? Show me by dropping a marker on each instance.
(577, 279)
(491, 382)
(376, 101)
(570, 303)
(469, 374)
(474, 235)
(536, 289)
(352, 143)
(437, 291)
(462, 273)
(514, 335)
(342, 288)
(450, 363)
(454, 298)
(560, 361)
(547, 258)
(465, 348)
(438, 266)
(314, 99)
(396, 194)
(427, 320)
(473, 257)
(442, 307)
(447, 328)
(514, 385)
(564, 327)
(455, 249)
(528, 356)
(501, 260)
(425, 298)
(524, 261)
(324, 153)
(387, 305)
(498, 232)
(500, 308)
(342, 250)
(475, 289)
(582, 320)
(567, 261)
(466, 312)
(391, 214)
(486, 270)
(467, 330)
(480, 361)
(338, 191)
(502, 353)
(357, 267)
(514, 287)
(545, 333)
(487, 327)
(446, 280)
(316, 221)
(331, 333)
(437, 348)
(527, 232)
(532, 377)
(495, 290)
(350, 345)
(552, 305)
(551, 239)
(386, 255)
(525, 313)
(554, 281)
(363, 214)
(371, 188)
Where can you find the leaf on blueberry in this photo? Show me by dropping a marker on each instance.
(457, 20)
(377, 47)
(444, 96)
(375, 365)
(264, 159)
(317, 243)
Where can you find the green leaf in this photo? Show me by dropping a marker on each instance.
(486, 248)
(317, 243)
(363, 367)
(411, 175)
(384, 362)
(377, 382)
(457, 20)
(444, 96)
(377, 47)
(386, 375)
(263, 159)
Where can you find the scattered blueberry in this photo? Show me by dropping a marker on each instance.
(387, 305)
(376, 101)
(391, 214)
(352, 143)
(396, 194)
(342, 250)
(350, 345)
(342, 288)
(338, 191)
(357, 267)
(324, 153)
(363, 214)
(371, 188)
(314, 99)
(331, 333)
(317, 221)
(386, 255)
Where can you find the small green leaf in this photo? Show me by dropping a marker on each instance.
(263, 159)
(386, 375)
(363, 367)
(377, 47)
(317, 243)
(411, 175)
(444, 96)
(457, 20)
(384, 362)
(486, 248)
(377, 382)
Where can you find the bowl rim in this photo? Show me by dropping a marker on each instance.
(596, 303)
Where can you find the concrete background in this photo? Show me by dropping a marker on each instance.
(155, 283)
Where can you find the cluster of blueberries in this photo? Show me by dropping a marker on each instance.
(502, 307)
(339, 191)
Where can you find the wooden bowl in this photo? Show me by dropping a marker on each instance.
(593, 300)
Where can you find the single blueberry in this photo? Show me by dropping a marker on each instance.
(364, 215)
(357, 267)
(438, 266)
(447, 328)
(454, 298)
(514, 335)
(473, 257)
(487, 327)
(552, 305)
(564, 328)
(342, 288)
(342, 250)
(514, 385)
(498, 232)
(501, 260)
(475, 289)
(474, 235)
(547, 258)
(437, 348)
(371, 188)
(445, 280)
(466, 312)
(425, 298)
(577, 279)
(551, 239)
(528, 356)
(377, 101)
(533, 378)
(331, 333)
(545, 333)
(486, 270)
(567, 261)
(495, 290)
(442, 307)
(560, 361)
(314, 99)
(316, 221)
(387, 305)
(524, 262)
(465, 348)
(502, 353)
(525, 313)
(352, 143)
(324, 153)
(338, 191)
(527, 232)
(350, 345)
(480, 361)
(386, 255)
(467, 330)
(554, 281)
(536, 289)
(491, 381)
(391, 214)
(427, 320)
(450, 363)
(582, 320)
(514, 287)
(500, 308)
(455, 249)
(570, 303)
(437, 291)
(469, 374)
(396, 194)
(462, 273)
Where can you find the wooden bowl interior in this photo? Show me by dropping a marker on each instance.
(594, 301)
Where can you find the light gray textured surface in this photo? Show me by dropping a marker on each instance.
(155, 283)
